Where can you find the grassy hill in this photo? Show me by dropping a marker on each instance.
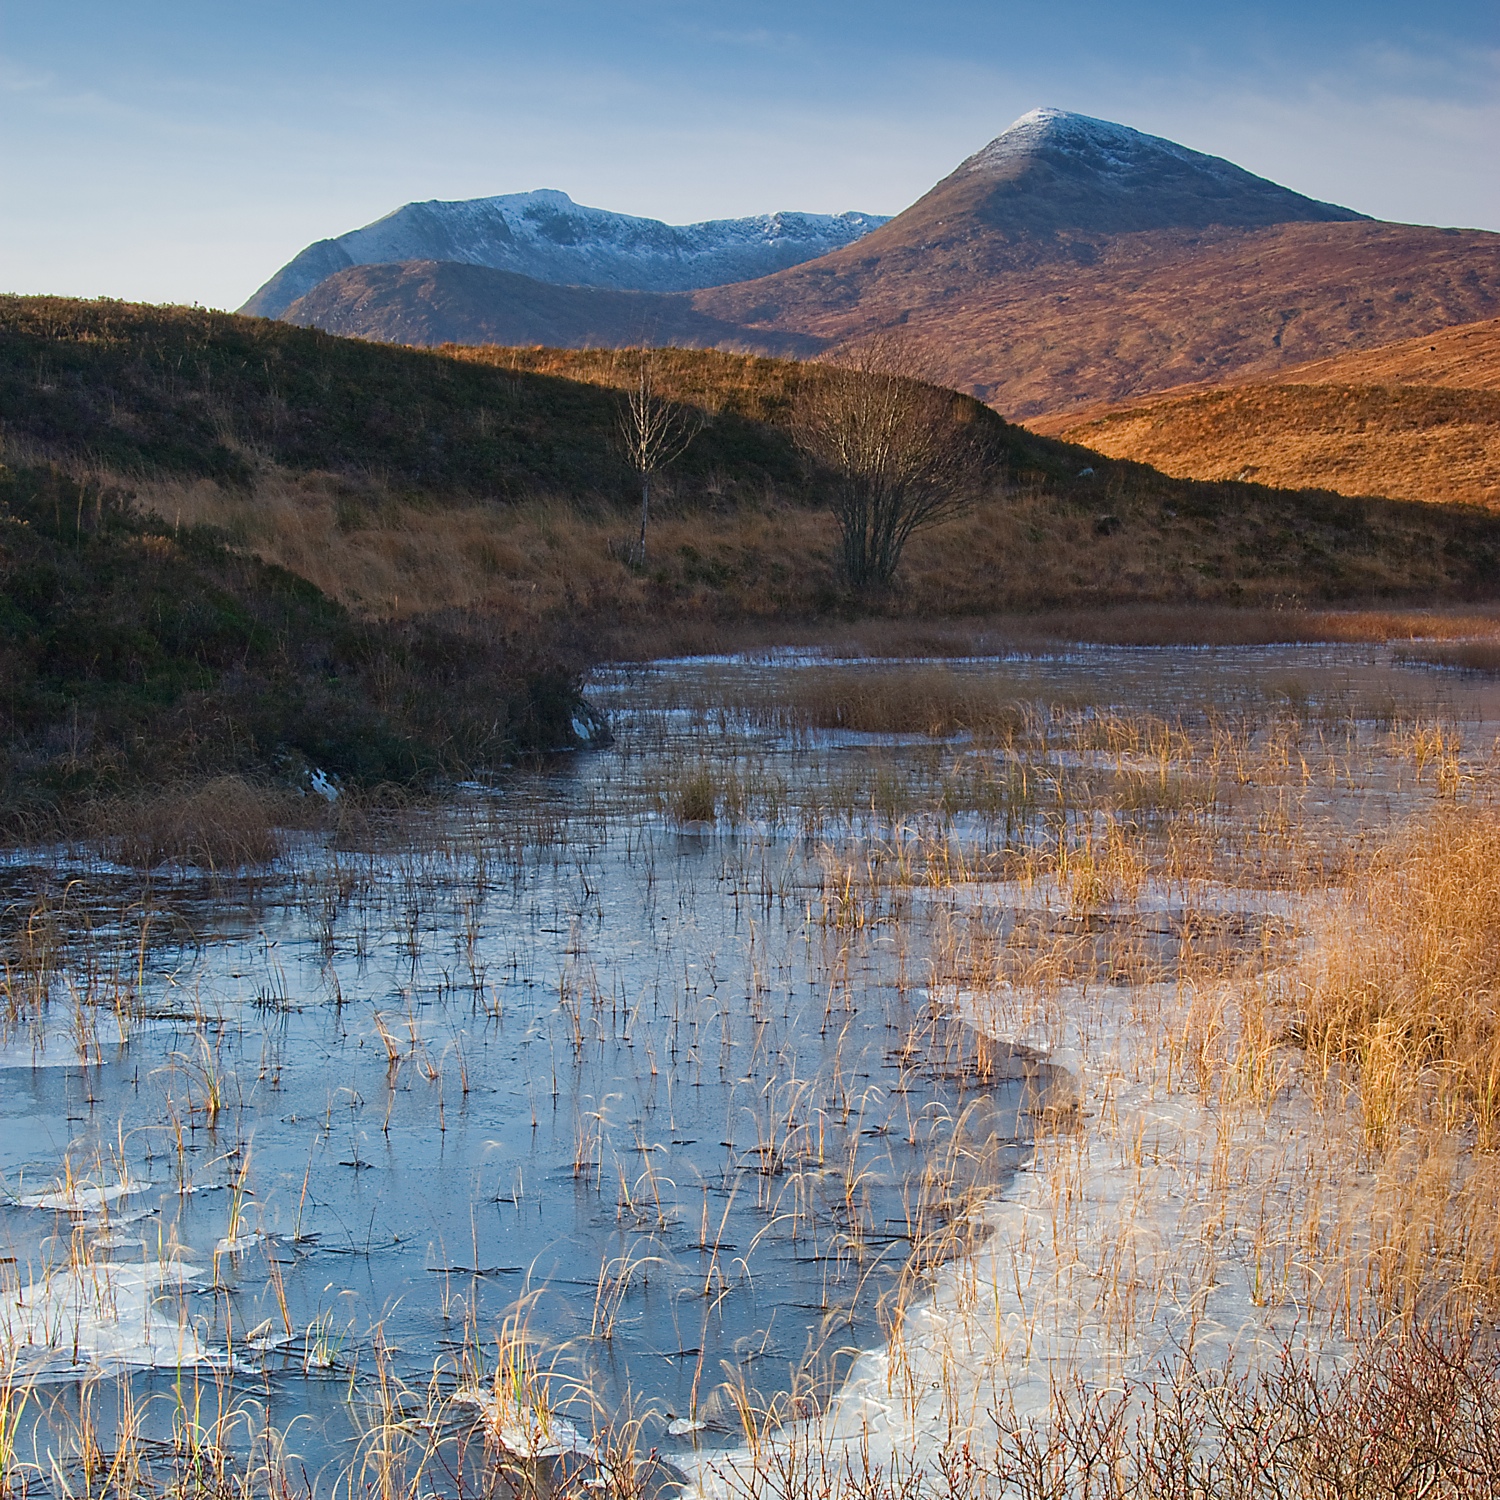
(1417, 420)
(161, 391)
(133, 653)
(232, 544)
(403, 482)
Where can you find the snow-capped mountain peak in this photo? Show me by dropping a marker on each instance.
(1110, 177)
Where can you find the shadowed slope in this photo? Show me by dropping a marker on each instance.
(149, 391)
(442, 302)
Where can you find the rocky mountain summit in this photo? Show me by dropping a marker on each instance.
(548, 237)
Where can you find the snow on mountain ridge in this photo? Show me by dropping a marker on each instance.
(545, 235)
(1077, 135)
(1079, 173)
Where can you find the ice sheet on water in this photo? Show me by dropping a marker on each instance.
(235, 1244)
(82, 1197)
(59, 1046)
(1038, 1304)
(99, 1318)
(528, 1431)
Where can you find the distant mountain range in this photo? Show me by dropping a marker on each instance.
(1070, 263)
(548, 237)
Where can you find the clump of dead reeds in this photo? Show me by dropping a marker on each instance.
(932, 700)
(1480, 657)
(1410, 997)
(695, 796)
(222, 824)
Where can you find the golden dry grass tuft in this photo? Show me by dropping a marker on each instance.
(1411, 998)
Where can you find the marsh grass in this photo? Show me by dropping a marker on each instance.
(1480, 657)
(1411, 998)
(222, 824)
(698, 794)
(932, 702)
(1376, 1024)
(1307, 1000)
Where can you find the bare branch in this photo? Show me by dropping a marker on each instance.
(902, 453)
(654, 432)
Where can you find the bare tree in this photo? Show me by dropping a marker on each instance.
(902, 452)
(653, 431)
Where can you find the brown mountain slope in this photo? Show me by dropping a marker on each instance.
(1148, 312)
(441, 302)
(1073, 262)
(1415, 420)
(1406, 442)
(1070, 264)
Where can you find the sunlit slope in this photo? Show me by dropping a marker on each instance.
(1073, 262)
(1415, 420)
(1466, 358)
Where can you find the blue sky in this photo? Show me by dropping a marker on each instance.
(179, 151)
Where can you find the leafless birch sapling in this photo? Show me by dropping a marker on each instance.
(901, 451)
(654, 432)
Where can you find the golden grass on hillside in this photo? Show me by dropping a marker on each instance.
(1016, 550)
(1406, 442)
(750, 386)
(1465, 357)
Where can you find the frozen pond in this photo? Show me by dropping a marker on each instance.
(600, 1053)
